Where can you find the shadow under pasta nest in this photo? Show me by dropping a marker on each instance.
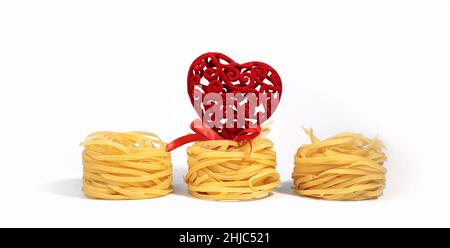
(180, 188)
(67, 187)
(286, 188)
(178, 184)
(73, 187)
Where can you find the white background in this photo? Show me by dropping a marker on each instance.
(68, 68)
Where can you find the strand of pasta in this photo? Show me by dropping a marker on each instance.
(346, 166)
(229, 170)
(126, 165)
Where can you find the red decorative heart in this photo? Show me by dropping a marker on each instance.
(217, 73)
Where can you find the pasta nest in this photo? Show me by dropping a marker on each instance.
(346, 166)
(229, 170)
(126, 165)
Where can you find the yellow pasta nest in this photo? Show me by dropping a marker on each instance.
(228, 170)
(344, 167)
(130, 165)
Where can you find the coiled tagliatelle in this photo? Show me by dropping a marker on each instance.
(344, 167)
(228, 170)
(129, 165)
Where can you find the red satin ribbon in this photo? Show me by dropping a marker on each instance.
(203, 132)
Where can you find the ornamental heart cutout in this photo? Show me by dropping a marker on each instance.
(255, 89)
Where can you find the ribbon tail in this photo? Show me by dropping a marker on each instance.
(182, 141)
(203, 132)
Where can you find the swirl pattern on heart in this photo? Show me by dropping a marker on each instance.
(217, 73)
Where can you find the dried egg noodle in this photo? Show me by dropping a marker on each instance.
(130, 165)
(344, 167)
(228, 170)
